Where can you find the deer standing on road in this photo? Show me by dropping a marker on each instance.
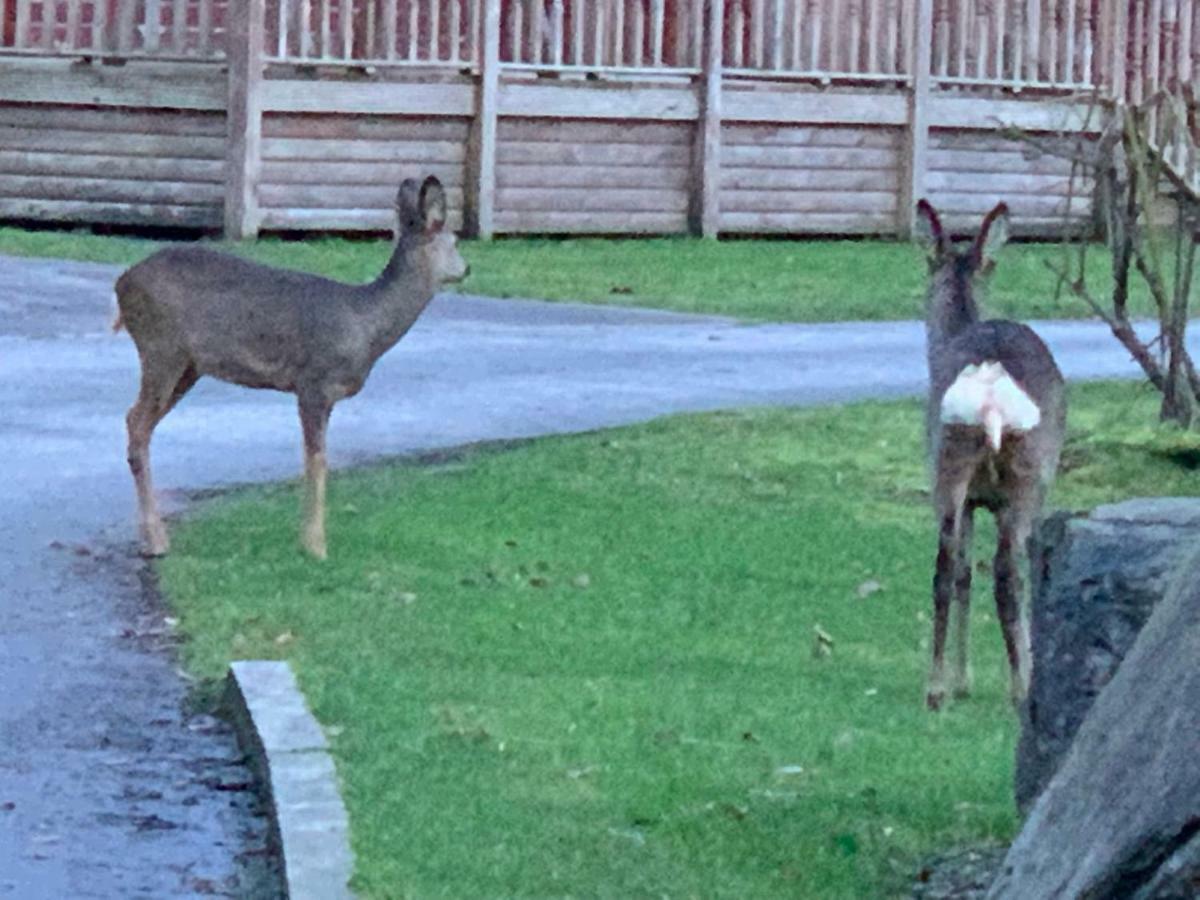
(193, 311)
(995, 425)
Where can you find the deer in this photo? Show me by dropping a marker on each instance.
(194, 311)
(995, 423)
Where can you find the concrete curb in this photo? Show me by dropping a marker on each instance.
(290, 755)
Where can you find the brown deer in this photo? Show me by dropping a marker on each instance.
(193, 311)
(995, 425)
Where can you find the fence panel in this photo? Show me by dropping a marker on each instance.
(1045, 44)
(162, 29)
(374, 32)
(824, 39)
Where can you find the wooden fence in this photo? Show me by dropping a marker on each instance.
(602, 116)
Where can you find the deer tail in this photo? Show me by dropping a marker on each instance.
(985, 395)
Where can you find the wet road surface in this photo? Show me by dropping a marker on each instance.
(109, 788)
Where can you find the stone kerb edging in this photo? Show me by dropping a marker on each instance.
(290, 755)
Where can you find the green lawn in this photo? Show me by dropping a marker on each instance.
(584, 666)
(804, 281)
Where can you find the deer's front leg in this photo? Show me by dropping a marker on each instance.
(314, 419)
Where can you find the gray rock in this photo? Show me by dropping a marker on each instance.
(1121, 818)
(1096, 580)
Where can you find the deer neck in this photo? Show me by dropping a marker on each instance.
(950, 306)
(393, 301)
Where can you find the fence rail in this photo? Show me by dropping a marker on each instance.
(1129, 48)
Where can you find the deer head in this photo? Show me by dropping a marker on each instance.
(432, 247)
(954, 270)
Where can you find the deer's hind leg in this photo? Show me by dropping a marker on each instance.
(1014, 523)
(960, 676)
(164, 382)
(950, 504)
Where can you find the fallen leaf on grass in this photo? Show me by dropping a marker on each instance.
(408, 598)
(582, 580)
(822, 643)
(867, 588)
(282, 640)
(581, 772)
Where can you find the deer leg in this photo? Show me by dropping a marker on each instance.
(1014, 531)
(156, 398)
(314, 419)
(961, 676)
(950, 504)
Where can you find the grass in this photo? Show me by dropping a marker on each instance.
(803, 281)
(584, 666)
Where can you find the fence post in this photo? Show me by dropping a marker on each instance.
(706, 173)
(243, 144)
(1120, 52)
(916, 151)
(481, 157)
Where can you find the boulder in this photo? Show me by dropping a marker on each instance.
(1120, 819)
(1095, 581)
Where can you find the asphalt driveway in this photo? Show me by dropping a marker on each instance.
(108, 787)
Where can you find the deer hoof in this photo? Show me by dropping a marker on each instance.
(315, 547)
(155, 542)
(934, 700)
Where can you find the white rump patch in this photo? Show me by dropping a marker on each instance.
(986, 395)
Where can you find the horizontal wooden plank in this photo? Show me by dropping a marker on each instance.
(813, 136)
(369, 97)
(538, 175)
(102, 190)
(809, 201)
(593, 154)
(576, 131)
(83, 165)
(808, 158)
(358, 173)
(293, 219)
(1010, 183)
(742, 178)
(361, 151)
(1020, 204)
(109, 213)
(97, 142)
(808, 223)
(512, 222)
(342, 196)
(115, 120)
(322, 126)
(813, 107)
(597, 100)
(996, 161)
(1043, 114)
(586, 201)
(992, 142)
(153, 86)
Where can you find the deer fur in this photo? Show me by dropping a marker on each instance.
(193, 311)
(995, 425)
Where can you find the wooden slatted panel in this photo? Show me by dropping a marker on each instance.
(809, 179)
(111, 165)
(341, 172)
(970, 172)
(598, 177)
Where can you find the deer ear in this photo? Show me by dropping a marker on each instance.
(928, 231)
(408, 206)
(993, 235)
(433, 205)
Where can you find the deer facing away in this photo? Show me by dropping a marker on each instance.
(192, 311)
(995, 425)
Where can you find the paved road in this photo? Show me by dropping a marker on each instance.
(108, 789)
